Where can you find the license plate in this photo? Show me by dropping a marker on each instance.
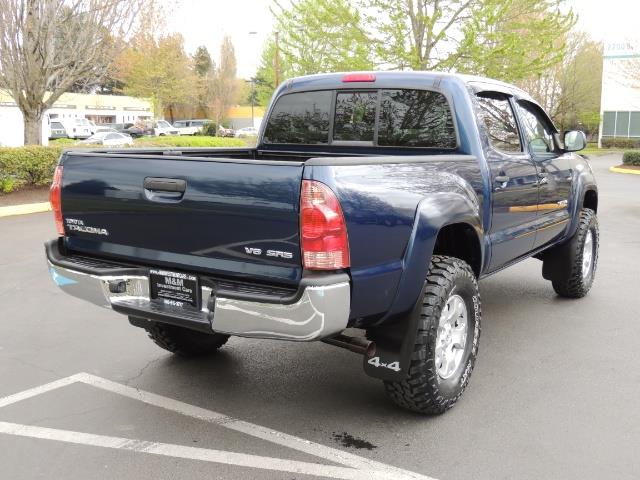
(174, 288)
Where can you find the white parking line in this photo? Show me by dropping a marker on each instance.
(191, 453)
(355, 467)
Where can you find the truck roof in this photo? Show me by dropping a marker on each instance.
(401, 79)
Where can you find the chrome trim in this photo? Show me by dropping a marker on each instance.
(320, 312)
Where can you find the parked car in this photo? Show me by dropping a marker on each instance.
(108, 139)
(226, 132)
(190, 127)
(57, 131)
(246, 132)
(162, 128)
(105, 129)
(76, 127)
(373, 201)
(129, 129)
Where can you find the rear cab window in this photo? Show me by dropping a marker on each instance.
(373, 117)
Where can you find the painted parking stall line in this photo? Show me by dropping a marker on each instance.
(353, 466)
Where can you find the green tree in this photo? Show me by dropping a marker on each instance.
(513, 39)
(416, 34)
(158, 68)
(570, 90)
(315, 36)
(202, 61)
(204, 68)
(223, 86)
(505, 39)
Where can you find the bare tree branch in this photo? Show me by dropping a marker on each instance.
(47, 46)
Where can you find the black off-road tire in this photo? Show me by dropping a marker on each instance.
(568, 280)
(183, 341)
(423, 390)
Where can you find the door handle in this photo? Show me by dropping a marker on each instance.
(502, 178)
(165, 184)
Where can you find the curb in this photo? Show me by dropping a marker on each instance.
(24, 209)
(624, 170)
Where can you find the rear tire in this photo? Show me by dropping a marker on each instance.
(580, 255)
(430, 388)
(183, 341)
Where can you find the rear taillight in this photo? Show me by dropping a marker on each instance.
(55, 198)
(323, 232)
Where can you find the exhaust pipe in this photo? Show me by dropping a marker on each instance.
(356, 344)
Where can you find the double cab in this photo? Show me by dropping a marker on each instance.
(372, 205)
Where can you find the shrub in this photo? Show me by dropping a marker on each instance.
(620, 142)
(31, 165)
(209, 129)
(62, 142)
(631, 158)
(187, 141)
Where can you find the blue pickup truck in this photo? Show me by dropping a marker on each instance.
(364, 218)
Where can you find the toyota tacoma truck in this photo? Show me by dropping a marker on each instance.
(364, 218)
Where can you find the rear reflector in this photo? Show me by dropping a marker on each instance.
(359, 77)
(323, 232)
(55, 198)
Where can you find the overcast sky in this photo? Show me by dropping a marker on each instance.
(205, 22)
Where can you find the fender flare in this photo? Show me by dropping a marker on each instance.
(584, 181)
(394, 335)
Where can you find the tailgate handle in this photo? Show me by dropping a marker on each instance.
(165, 184)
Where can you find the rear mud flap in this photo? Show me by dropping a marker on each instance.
(394, 344)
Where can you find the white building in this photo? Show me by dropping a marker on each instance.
(98, 108)
(620, 104)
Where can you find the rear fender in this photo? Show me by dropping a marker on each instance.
(394, 335)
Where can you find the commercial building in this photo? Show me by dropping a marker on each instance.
(97, 108)
(620, 104)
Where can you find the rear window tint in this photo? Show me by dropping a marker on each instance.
(415, 118)
(300, 118)
(406, 118)
(355, 116)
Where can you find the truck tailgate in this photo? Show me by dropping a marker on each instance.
(234, 218)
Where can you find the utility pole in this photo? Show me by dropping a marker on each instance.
(253, 100)
(276, 62)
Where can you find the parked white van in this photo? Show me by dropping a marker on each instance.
(76, 127)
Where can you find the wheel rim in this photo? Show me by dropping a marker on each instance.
(452, 336)
(587, 254)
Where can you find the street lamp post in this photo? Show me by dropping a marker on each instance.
(276, 62)
(253, 99)
(276, 57)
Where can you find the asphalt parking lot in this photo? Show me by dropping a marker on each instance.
(555, 393)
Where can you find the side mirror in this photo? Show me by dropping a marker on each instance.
(574, 141)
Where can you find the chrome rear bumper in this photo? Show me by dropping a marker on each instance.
(319, 310)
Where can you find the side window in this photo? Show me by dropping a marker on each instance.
(537, 131)
(500, 122)
(301, 118)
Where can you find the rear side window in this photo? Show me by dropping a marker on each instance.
(500, 123)
(415, 118)
(300, 118)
